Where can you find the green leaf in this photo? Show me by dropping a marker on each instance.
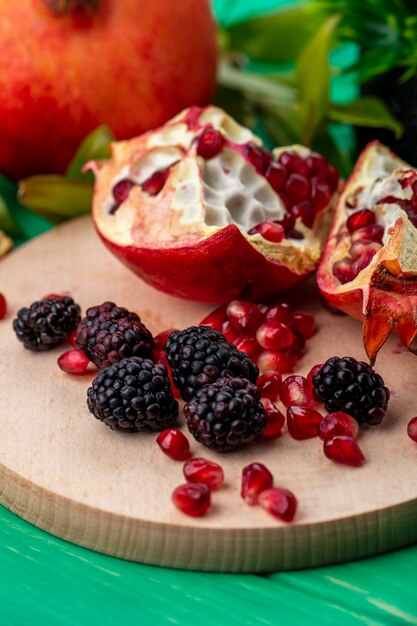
(56, 198)
(275, 37)
(367, 111)
(313, 79)
(8, 201)
(95, 146)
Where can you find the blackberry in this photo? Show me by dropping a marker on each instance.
(46, 323)
(199, 355)
(226, 415)
(133, 395)
(344, 384)
(109, 333)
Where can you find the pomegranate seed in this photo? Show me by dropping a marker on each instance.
(155, 183)
(359, 247)
(276, 176)
(121, 190)
(229, 332)
(412, 429)
(249, 345)
(332, 177)
(338, 423)
(287, 221)
(255, 479)
(373, 232)
(275, 420)
(315, 163)
(320, 195)
(298, 345)
(244, 316)
(174, 444)
(281, 361)
(209, 143)
(281, 503)
(359, 219)
(73, 362)
(313, 371)
(302, 422)
(278, 313)
(297, 188)
(271, 231)
(269, 384)
(296, 390)
(193, 499)
(3, 307)
(342, 270)
(303, 324)
(73, 339)
(345, 450)
(293, 163)
(52, 296)
(203, 471)
(293, 233)
(305, 211)
(215, 318)
(274, 335)
(259, 157)
(363, 261)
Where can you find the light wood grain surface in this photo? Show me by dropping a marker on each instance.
(65, 472)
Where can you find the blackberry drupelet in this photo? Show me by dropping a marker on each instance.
(133, 395)
(226, 415)
(109, 333)
(47, 322)
(344, 384)
(199, 355)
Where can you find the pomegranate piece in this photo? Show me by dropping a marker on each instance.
(283, 361)
(360, 219)
(209, 143)
(296, 390)
(271, 231)
(255, 479)
(412, 429)
(303, 324)
(245, 317)
(73, 362)
(275, 420)
(3, 307)
(279, 502)
(193, 499)
(274, 336)
(203, 471)
(338, 423)
(174, 444)
(345, 450)
(269, 384)
(302, 422)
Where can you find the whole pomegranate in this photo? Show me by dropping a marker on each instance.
(74, 64)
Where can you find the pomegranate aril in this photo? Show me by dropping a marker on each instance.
(203, 471)
(3, 307)
(255, 479)
(412, 429)
(73, 339)
(161, 338)
(275, 420)
(209, 143)
(302, 422)
(155, 183)
(342, 270)
(278, 313)
(361, 246)
(297, 188)
(373, 232)
(245, 317)
(279, 502)
(359, 219)
(271, 231)
(293, 163)
(174, 444)
(73, 362)
(316, 163)
(283, 361)
(269, 384)
(121, 190)
(332, 177)
(320, 195)
(313, 371)
(303, 324)
(338, 423)
(298, 345)
(249, 345)
(363, 261)
(293, 233)
(274, 335)
(193, 499)
(259, 157)
(287, 204)
(215, 319)
(287, 221)
(276, 176)
(229, 332)
(296, 390)
(305, 211)
(345, 450)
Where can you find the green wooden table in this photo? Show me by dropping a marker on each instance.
(44, 580)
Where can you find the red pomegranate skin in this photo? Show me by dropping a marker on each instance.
(131, 65)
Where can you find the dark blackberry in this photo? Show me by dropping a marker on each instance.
(344, 384)
(199, 355)
(109, 333)
(46, 323)
(226, 415)
(133, 395)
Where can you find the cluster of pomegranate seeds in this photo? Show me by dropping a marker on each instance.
(275, 420)
(3, 307)
(257, 488)
(174, 444)
(204, 471)
(209, 143)
(412, 429)
(74, 362)
(193, 499)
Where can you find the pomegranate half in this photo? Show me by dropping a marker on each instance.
(200, 209)
(369, 266)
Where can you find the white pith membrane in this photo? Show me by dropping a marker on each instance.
(199, 197)
(375, 177)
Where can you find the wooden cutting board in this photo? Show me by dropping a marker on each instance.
(65, 472)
